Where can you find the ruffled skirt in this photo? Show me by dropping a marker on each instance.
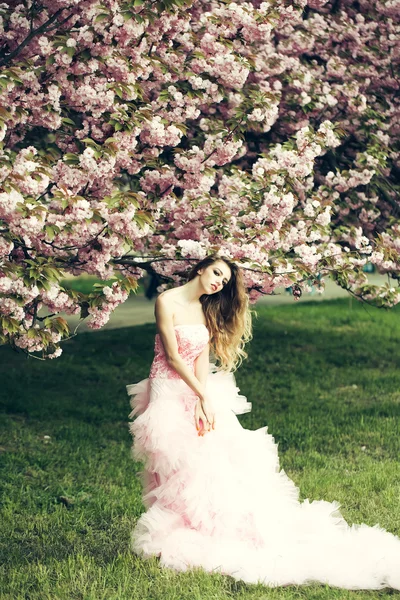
(221, 502)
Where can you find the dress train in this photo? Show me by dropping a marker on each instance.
(221, 502)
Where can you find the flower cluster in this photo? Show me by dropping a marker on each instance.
(132, 131)
(99, 315)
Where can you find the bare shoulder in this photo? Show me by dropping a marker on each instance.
(165, 303)
(166, 298)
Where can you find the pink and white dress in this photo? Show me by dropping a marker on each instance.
(221, 502)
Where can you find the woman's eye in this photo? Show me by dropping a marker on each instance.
(219, 275)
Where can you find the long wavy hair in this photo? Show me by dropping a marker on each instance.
(228, 315)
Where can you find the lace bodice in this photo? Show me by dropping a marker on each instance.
(191, 339)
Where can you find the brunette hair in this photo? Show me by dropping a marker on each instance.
(228, 316)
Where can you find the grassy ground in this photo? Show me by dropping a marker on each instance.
(84, 283)
(323, 376)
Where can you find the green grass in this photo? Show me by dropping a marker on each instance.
(84, 283)
(323, 376)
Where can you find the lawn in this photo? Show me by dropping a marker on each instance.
(323, 376)
(85, 283)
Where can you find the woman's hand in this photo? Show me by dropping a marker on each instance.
(204, 413)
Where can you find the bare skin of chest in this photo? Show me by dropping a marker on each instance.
(184, 312)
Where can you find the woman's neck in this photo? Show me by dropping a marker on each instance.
(191, 292)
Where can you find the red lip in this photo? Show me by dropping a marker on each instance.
(214, 287)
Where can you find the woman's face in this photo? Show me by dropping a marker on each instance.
(214, 277)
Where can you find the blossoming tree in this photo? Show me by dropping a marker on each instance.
(141, 135)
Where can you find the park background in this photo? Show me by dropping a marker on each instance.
(139, 136)
(322, 374)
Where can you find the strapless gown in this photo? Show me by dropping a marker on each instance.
(221, 502)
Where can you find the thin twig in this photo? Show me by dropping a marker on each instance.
(30, 36)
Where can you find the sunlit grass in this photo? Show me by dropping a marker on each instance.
(85, 283)
(325, 379)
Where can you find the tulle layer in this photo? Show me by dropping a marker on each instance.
(222, 502)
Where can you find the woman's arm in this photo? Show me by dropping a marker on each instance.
(165, 323)
(205, 407)
(202, 365)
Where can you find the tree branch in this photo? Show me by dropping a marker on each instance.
(32, 34)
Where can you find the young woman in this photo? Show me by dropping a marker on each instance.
(214, 493)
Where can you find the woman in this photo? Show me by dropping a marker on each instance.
(215, 495)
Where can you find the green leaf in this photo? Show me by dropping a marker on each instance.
(50, 233)
(70, 157)
(101, 17)
(68, 121)
(44, 284)
(61, 325)
(4, 82)
(90, 142)
(9, 324)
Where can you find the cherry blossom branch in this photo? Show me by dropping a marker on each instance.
(41, 29)
(89, 243)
